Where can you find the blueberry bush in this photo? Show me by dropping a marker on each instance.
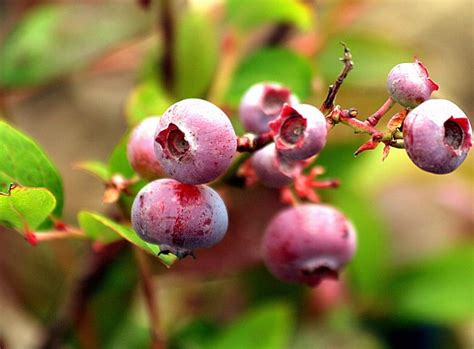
(283, 179)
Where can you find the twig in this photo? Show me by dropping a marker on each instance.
(334, 88)
(150, 299)
(167, 27)
(250, 142)
(375, 117)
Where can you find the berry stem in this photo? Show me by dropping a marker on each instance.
(166, 21)
(150, 298)
(250, 142)
(328, 103)
(375, 117)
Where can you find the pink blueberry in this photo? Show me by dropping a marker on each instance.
(195, 141)
(437, 136)
(262, 103)
(308, 243)
(179, 217)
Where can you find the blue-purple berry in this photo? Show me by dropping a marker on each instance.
(308, 243)
(437, 136)
(195, 141)
(140, 149)
(262, 103)
(299, 132)
(271, 170)
(409, 84)
(179, 217)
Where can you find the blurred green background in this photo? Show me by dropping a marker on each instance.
(75, 75)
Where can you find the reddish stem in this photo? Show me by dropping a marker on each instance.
(375, 117)
(251, 143)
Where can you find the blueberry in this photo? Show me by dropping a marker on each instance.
(308, 243)
(272, 171)
(140, 149)
(437, 136)
(262, 103)
(409, 84)
(179, 217)
(195, 141)
(300, 131)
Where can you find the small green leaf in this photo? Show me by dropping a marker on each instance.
(268, 327)
(118, 162)
(439, 289)
(195, 60)
(248, 14)
(24, 207)
(147, 99)
(374, 56)
(271, 64)
(53, 40)
(96, 168)
(99, 227)
(93, 226)
(23, 162)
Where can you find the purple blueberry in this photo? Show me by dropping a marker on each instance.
(308, 243)
(140, 149)
(409, 84)
(179, 217)
(300, 131)
(262, 103)
(437, 136)
(195, 141)
(272, 171)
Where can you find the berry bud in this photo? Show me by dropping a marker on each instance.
(270, 170)
(308, 243)
(409, 84)
(179, 217)
(437, 136)
(262, 103)
(299, 132)
(195, 141)
(140, 149)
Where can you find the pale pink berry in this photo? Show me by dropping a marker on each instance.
(409, 84)
(308, 243)
(437, 136)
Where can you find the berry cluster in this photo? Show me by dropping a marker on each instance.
(194, 143)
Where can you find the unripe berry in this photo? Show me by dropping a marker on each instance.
(437, 136)
(409, 84)
(262, 103)
(308, 243)
(179, 217)
(271, 171)
(140, 149)
(195, 141)
(299, 132)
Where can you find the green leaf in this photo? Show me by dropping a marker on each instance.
(145, 100)
(439, 289)
(271, 64)
(23, 162)
(248, 14)
(195, 59)
(24, 207)
(99, 227)
(96, 168)
(268, 327)
(118, 162)
(374, 56)
(53, 40)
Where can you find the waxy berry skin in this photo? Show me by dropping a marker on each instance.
(437, 136)
(409, 84)
(299, 132)
(262, 103)
(195, 141)
(140, 149)
(270, 170)
(308, 243)
(179, 217)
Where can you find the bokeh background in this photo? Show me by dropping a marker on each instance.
(74, 75)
